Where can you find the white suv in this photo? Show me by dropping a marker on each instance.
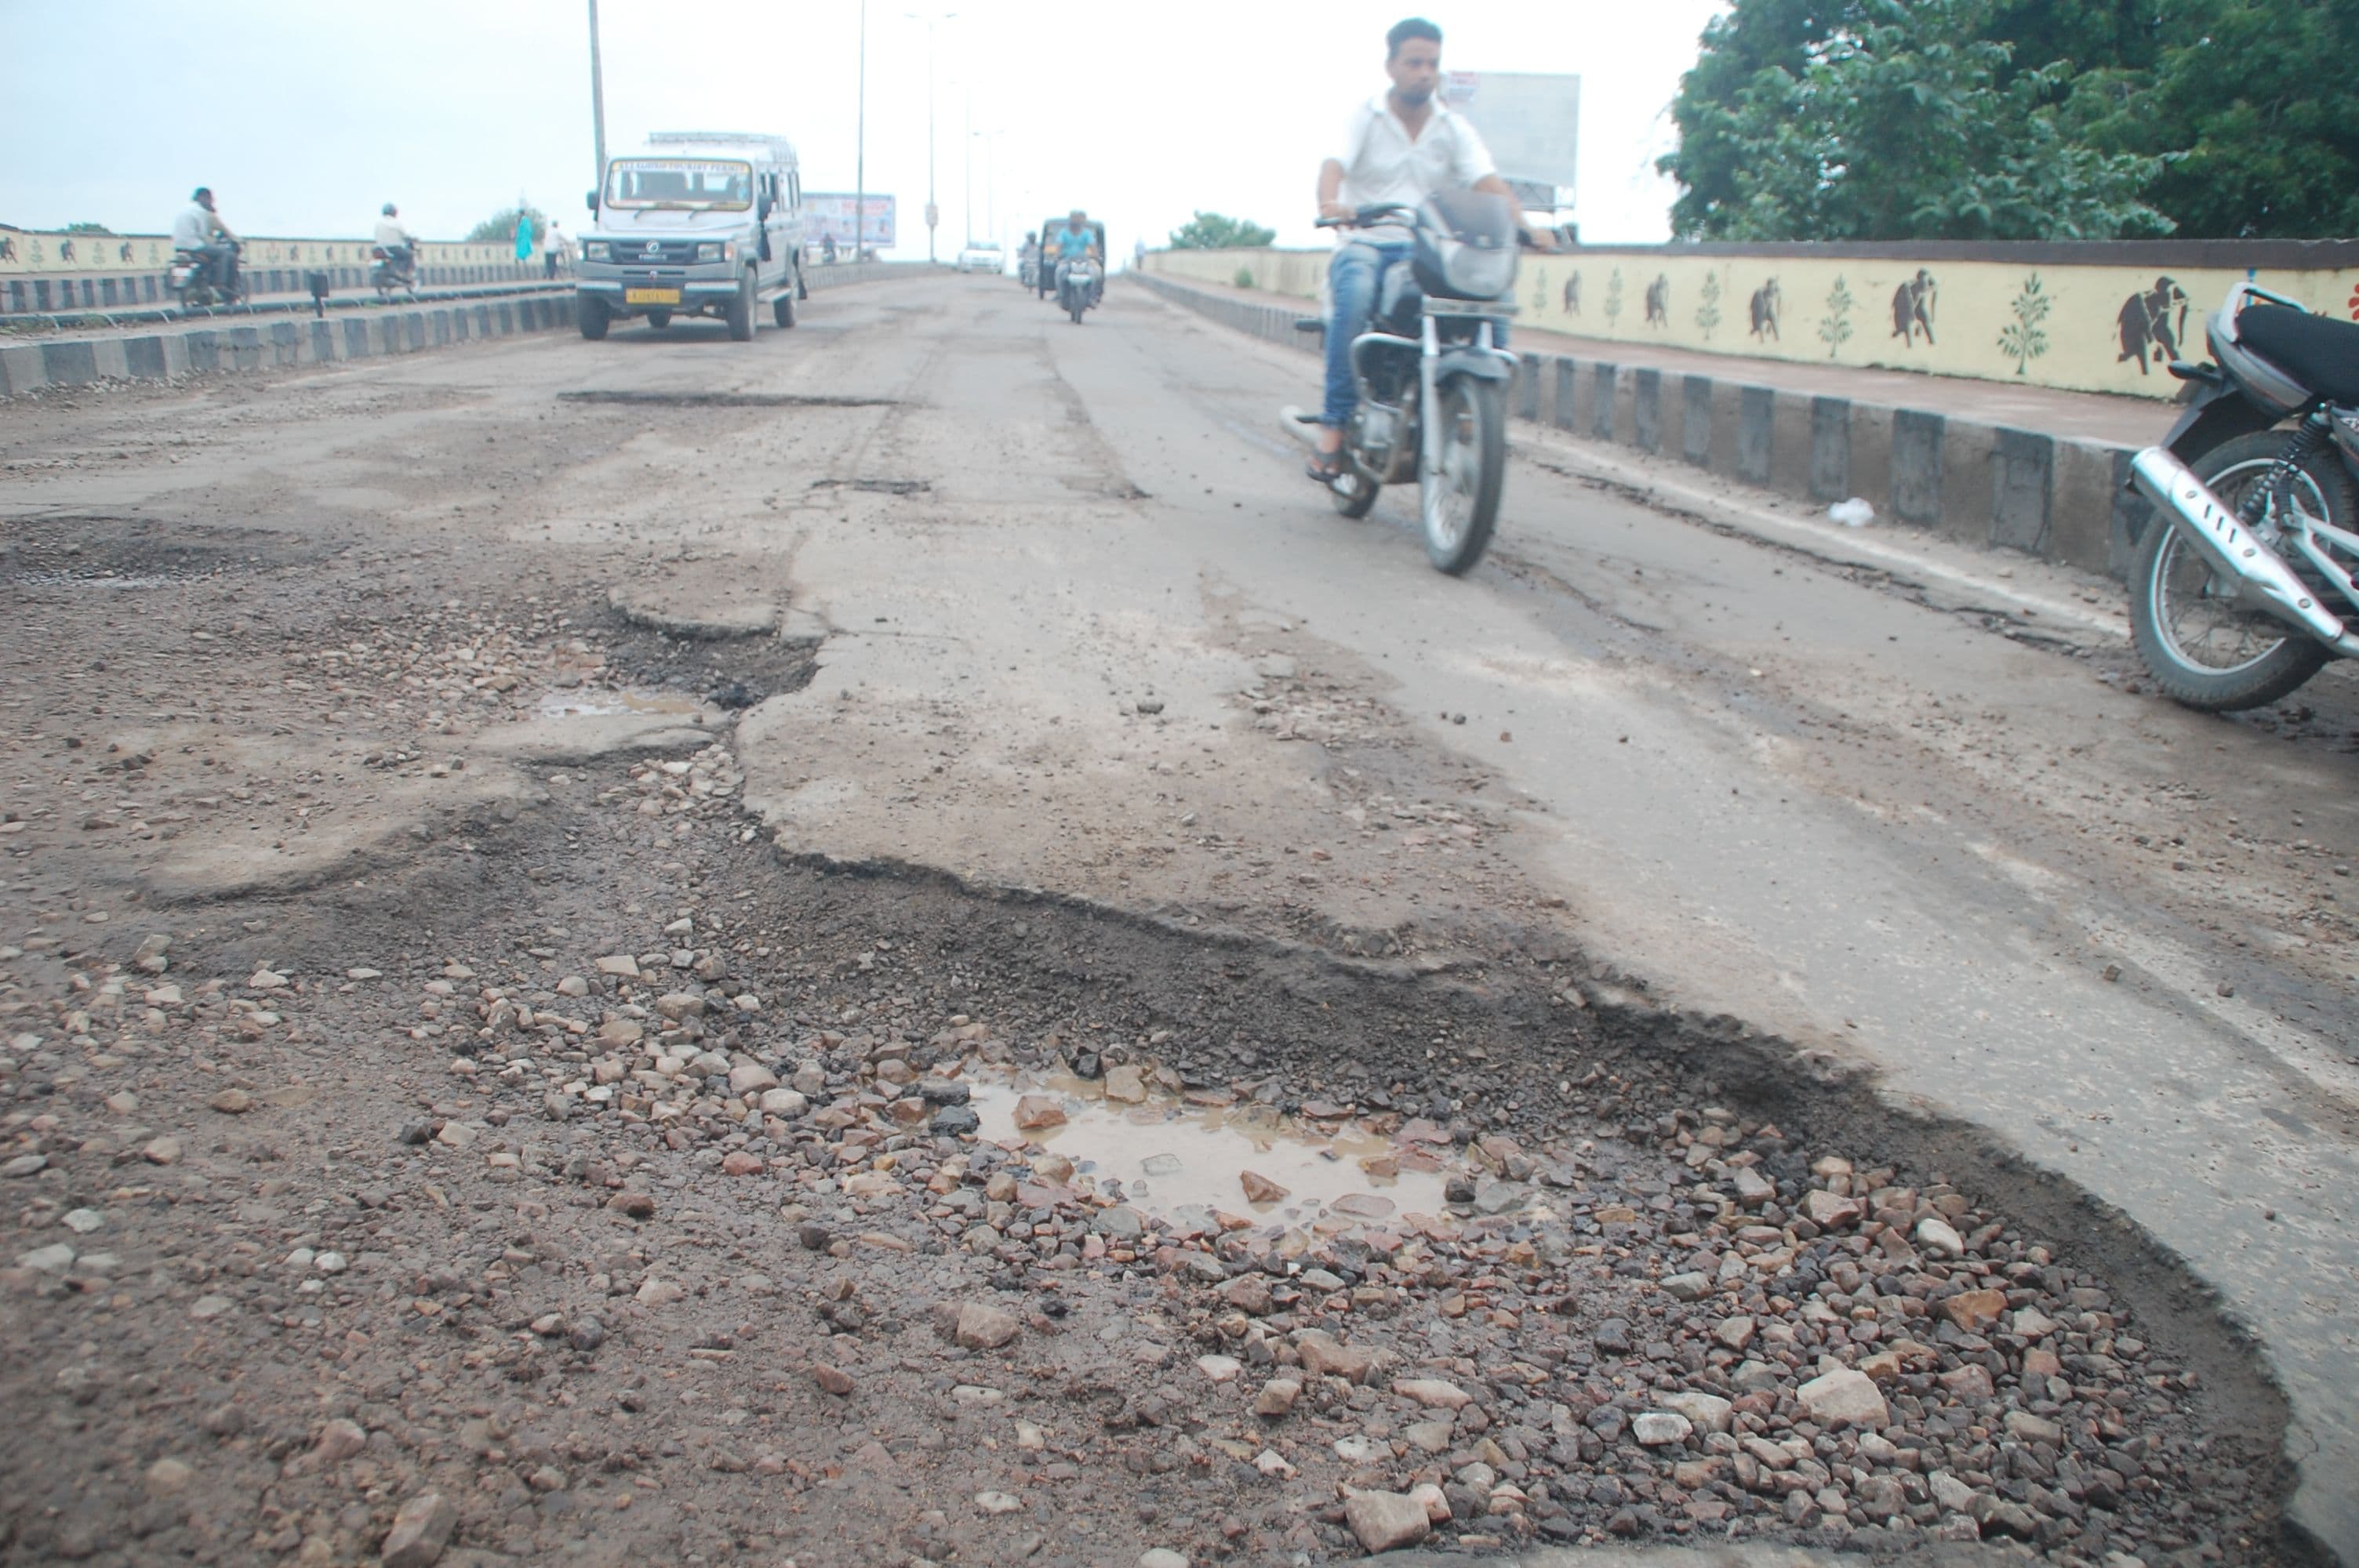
(981, 258)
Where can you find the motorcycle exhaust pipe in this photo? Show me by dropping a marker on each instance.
(2209, 523)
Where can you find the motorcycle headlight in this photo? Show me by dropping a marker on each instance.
(1477, 274)
(597, 249)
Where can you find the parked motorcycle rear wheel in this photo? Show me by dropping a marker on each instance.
(2203, 649)
(1460, 506)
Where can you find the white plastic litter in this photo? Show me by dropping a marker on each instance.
(1852, 513)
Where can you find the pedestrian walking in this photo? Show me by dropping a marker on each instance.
(523, 235)
(556, 250)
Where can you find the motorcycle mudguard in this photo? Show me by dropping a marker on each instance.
(2217, 414)
(1482, 364)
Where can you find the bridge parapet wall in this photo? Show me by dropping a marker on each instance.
(2080, 317)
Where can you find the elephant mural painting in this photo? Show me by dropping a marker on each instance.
(2152, 324)
(1765, 310)
(1912, 308)
(1572, 295)
(1658, 301)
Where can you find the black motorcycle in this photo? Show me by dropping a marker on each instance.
(190, 278)
(1432, 374)
(393, 269)
(2243, 589)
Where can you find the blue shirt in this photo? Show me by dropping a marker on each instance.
(1073, 243)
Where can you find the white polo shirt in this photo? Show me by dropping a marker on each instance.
(193, 229)
(1383, 163)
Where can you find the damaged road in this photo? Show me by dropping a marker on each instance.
(682, 972)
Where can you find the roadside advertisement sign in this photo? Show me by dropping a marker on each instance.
(829, 213)
(1530, 122)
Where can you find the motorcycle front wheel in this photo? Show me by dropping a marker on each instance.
(1460, 503)
(1080, 302)
(2205, 647)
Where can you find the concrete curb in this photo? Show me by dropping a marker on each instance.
(2054, 498)
(271, 345)
(297, 341)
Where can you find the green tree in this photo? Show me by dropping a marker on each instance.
(2256, 127)
(1212, 232)
(88, 228)
(500, 227)
(2020, 119)
(1908, 123)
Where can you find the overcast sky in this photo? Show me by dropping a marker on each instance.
(306, 114)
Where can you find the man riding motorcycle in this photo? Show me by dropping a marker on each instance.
(200, 232)
(1028, 260)
(1401, 146)
(1077, 241)
(399, 245)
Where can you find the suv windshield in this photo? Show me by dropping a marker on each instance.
(679, 182)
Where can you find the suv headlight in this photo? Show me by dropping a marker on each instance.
(597, 249)
(723, 250)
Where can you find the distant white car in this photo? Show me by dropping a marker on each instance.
(981, 258)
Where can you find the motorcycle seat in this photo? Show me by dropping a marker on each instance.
(2319, 351)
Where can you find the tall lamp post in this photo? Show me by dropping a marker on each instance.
(933, 213)
(597, 98)
(860, 146)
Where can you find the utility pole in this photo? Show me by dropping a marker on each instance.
(860, 146)
(933, 213)
(597, 97)
(966, 203)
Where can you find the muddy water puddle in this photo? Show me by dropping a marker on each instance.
(1187, 1162)
(609, 702)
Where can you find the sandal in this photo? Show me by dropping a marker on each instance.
(1326, 468)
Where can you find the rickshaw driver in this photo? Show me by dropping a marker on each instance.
(1077, 241)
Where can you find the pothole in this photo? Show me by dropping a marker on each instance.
(877, 486)
(114, 553)
(634, 396)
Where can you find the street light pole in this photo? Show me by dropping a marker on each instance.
(933, 213)
(966, 202)
(860, 144)
(597, 97)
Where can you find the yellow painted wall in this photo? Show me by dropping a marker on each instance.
(2048, 326)
(25, 252)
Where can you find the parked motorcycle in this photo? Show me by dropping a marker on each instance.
(1077, 286)
(2243, 587)
(393, 271)
(1432, 374)
(189, 277)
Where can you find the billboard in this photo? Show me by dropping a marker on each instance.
(829, 213)
(1530, 122)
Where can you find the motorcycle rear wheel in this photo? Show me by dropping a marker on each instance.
(1460, 506)
(2204, 648)
(1354, 495)
(658, 320)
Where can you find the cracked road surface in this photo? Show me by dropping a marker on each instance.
(1082, 628)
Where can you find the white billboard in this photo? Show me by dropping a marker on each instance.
(1530, 122)
(829, 213)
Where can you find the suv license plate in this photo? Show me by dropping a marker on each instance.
(651, 297)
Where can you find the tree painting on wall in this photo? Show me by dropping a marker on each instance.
(1834, 326)
(2024, 338)
(1613, 298)
(1707, 314)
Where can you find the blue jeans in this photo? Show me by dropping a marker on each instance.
(1351, 281)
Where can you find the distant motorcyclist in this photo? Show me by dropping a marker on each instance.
(1028, 260)
(1077, 241)
(400, 246)
(199, 231)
